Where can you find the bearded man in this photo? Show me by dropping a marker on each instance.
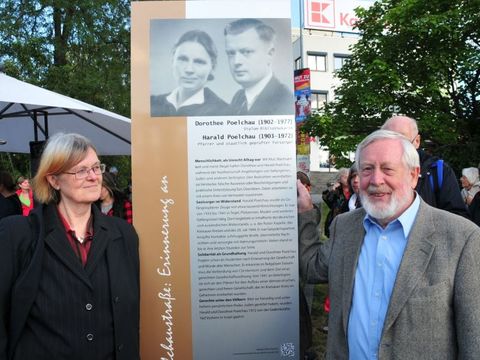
(403, 276)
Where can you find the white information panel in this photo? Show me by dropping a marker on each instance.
(214, 173)
(243, 233)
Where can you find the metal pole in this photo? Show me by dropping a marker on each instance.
(45, 116)
(300, 4)
(35, 125)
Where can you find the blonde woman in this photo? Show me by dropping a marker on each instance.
(69, 285)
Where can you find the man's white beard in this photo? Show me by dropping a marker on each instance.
(386, 212)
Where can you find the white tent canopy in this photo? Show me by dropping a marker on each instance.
(30, 113)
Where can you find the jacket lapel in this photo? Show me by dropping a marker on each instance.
(416, 258)
(56, 239)
(103, 235)
(352, 244)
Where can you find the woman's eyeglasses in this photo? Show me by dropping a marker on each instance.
(97, 169)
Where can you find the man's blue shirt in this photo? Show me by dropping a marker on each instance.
(380, 256)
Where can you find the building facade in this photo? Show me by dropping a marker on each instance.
(323, 44)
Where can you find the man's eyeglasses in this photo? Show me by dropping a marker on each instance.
(97, 169)
(414, 138)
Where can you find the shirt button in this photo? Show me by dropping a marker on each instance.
(89, 307)
(89, 337)
(380, 264)
(116, 299)
(120, 347)
(377, 293)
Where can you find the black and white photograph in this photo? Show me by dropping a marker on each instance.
(218, 67)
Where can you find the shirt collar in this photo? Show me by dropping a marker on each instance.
(197, 98)
(252, 92)
(406, 219)
(69, 230)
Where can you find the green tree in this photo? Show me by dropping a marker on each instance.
(16, 164)
(422, 57)
(78, 48)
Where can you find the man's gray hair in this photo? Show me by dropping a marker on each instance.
(410, 155)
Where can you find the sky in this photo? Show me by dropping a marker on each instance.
(295, 5)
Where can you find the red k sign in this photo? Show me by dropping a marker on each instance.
(333, 15)
(322, 13)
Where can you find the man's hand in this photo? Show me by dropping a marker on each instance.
(304, 200)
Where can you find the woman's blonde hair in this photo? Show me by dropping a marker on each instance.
(61, 152)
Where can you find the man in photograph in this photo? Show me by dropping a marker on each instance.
(250, 47)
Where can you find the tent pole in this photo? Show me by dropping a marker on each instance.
(35, 125)
(45, 117)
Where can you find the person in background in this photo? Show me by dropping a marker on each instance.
(445, 197)
(305, 180)
(112, 201)
(128, 191)
(354, 184)
(474, 209)
(69, 285)
(337, 198)
(470, 184)
(403, 275)
(306, 292)
(9, 200)
(194, 62)
(353, 203)
(25, 194)
(114, 171)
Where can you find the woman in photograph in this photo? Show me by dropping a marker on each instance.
(69, 285)
(194, 61)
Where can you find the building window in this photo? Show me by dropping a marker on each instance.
(339, 61)
(317, 62)
(298, 63)
(319, 99)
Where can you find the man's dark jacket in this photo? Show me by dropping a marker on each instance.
(447, 197)
(23, 244)
(474, 209)
(275, 99)
(10, 205)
